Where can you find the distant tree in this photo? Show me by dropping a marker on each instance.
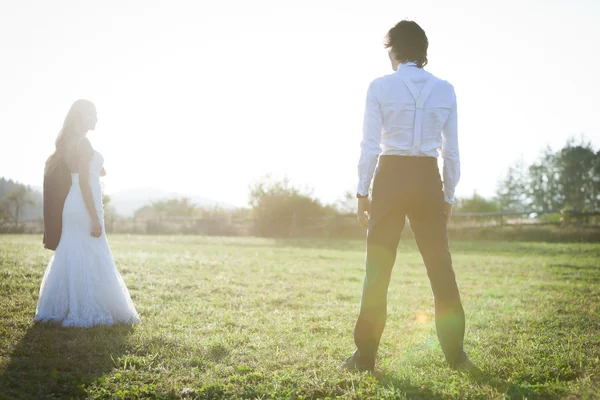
(16, 201)
(579, 181)
(347, 203)
(566, 179)
(6, 186)
(33, 207)
(144, 212)
(544, 188)
(596, 180)
(181, 207)
(513, 190)
(110, 212)
(476, 204)
(279, 208)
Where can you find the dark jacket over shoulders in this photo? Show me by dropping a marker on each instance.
(56, 188)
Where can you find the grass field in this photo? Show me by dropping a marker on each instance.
(258, 318)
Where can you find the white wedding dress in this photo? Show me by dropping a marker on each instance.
(81, 286)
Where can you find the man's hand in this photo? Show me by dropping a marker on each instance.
(448, 210)
(364, 208)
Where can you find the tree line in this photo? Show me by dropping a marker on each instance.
(563, 181)
(19, 202)
(557, 182)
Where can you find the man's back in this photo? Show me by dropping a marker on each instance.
(398, 110)
(392, 126)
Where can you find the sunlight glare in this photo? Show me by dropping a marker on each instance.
(422, 318)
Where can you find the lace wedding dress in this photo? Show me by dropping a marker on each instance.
(82, 286)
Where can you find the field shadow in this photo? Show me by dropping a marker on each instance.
(404, 386)
(54, 362)
(509, 389)
(478, 377)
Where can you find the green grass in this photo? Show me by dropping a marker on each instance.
(259, 318)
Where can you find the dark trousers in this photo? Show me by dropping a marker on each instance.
(408, 186)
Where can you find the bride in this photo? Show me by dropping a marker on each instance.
(81, 286)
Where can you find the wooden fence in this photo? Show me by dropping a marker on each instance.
(336, 225)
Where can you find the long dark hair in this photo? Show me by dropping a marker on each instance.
(69, 129)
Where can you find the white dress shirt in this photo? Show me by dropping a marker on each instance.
(389, 124)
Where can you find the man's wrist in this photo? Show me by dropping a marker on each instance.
(362, 196)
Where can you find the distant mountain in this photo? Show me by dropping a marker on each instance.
(127, 202)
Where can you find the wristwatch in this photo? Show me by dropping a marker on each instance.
(360, 196)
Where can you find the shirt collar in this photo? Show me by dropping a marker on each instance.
(407, 64)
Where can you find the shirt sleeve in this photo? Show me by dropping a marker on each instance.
(450, 155)
(371, 141)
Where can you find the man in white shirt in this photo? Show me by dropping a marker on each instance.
(410, 118)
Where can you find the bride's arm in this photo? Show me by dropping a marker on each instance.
(85, 152)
